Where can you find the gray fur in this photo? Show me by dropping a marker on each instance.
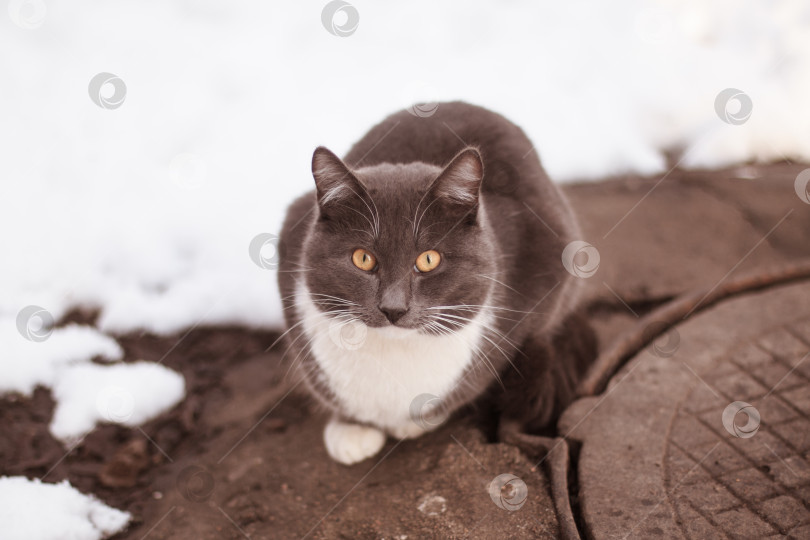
(398, 193)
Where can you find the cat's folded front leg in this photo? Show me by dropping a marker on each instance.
(349, 443)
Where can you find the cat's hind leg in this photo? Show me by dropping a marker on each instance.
(548, 371)
(349, 443)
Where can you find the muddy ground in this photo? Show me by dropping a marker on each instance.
(242, 455)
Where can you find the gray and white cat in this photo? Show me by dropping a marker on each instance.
(427, 262)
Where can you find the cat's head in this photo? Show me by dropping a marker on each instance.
(400, 245)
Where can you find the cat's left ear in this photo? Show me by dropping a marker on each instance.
(458, 187)
(334, 182)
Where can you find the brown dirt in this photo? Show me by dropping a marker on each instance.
(237, 458)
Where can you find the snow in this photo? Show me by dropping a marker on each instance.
(142, 200)
(146, 210)
(26, 364)
(33, 509)
(127, 394)
(86, 393)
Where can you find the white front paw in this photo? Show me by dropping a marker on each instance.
(349, 443)
(407, 430)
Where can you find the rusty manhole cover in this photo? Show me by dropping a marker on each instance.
(752, 472)
(711, 439)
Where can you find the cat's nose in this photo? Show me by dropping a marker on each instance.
(393, 314)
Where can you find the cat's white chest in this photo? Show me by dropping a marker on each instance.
(377, 373)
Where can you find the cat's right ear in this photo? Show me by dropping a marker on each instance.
(334, 182)
(458, 187)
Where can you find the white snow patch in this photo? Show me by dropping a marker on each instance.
(33, 509)
(85, 393)
(25, 364)
(127, 394)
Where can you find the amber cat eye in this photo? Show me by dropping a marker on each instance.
(428, 260)
(364, 260)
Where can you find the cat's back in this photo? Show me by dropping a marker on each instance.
(510, 160)
(404, 137)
